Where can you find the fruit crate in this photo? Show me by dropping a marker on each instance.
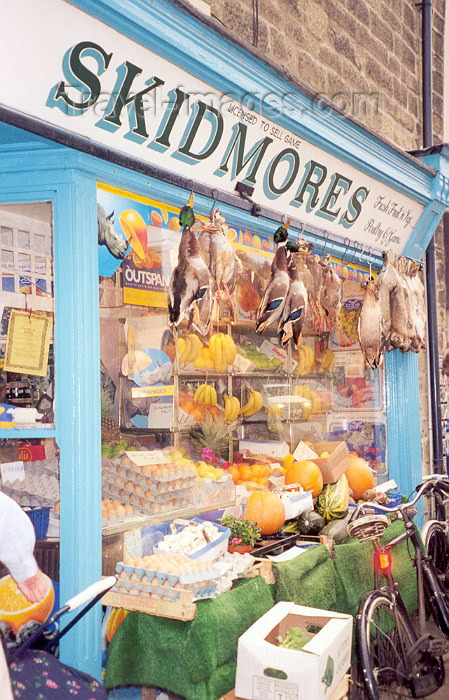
(40, 517)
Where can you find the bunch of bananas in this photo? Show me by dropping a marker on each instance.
(306, 359)
(231, 408)
(189, 348)
(327, 360)
(204, 360)
(206, 395)
(253, 405)
(222, 350)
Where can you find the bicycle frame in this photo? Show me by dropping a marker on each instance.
(428, 583)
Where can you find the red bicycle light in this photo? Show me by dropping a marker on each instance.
(383, 561)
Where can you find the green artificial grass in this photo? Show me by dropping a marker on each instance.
(195, 659)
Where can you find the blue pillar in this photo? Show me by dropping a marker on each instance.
(78, 408)
(403, 420)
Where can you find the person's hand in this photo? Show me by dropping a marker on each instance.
(35, 587)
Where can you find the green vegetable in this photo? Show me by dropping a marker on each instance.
(295, 638)
(275, 673)
(310, 523)
(332, 503)
(337, 529)
(291, 527)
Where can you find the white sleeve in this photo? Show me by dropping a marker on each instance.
(17, 540)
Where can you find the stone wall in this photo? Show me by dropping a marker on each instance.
(364, 57)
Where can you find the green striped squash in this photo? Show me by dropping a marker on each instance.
(332, 503)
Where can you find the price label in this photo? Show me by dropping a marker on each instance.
(303, 451)
(242, 364)
(143, 457)
(12, 471)
(160, 415)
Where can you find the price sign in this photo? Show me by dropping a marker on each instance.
(144, 457)
(12, 471)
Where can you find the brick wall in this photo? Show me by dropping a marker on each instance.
(364, 56)
(345, 49)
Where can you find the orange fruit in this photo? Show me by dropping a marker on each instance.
(156, 218)
(246, 472)
(148, 260)
(235, 474)
(173, 224)
(16, 610)
(157, 261)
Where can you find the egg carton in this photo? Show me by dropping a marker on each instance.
(143, 505)
(170, 594)
(147, 576)
(147, 489)
(181, 481)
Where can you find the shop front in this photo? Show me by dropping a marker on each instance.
(164, 379)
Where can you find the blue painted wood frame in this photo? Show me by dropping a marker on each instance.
(68, 180)
(45, 175)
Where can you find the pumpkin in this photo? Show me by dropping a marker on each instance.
(307, 474)
(333, 500)
(359, 475)
(267, 510)
(310, 523)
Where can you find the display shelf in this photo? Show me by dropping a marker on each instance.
(27, 433)
(163, 517)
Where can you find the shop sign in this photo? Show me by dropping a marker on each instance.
(103, 86)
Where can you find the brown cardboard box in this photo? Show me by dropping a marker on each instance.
(335, 465)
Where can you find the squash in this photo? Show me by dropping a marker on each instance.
(337, 529)
(310, 523)
(359, 475)
(333, 501)
(267, 510)
(307, 474)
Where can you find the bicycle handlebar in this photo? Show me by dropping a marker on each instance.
(403, 506)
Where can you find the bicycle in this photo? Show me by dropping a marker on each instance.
(396, 659)
(435, 532)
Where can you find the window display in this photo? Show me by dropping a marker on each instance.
(26, 316)
(202, 390)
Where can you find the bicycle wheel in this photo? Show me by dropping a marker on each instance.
(435, 537)
(383, 637)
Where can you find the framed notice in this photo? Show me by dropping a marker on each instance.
(28, 343)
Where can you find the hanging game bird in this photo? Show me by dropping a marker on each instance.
(295, 306)
(189, 294)
(272, 303)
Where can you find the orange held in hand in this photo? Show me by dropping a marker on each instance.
(17, 611)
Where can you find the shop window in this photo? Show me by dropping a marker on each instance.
(169, 390)
(26, 268)
(29, 471)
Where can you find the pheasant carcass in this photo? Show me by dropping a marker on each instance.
(190, 289)
(399, 310)
(318, 311)
(418, 304)
(404, 280)
(370, 325)
(330, 294)
(219, 256)
(295, 306)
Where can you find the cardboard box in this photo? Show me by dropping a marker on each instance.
(335, 465)
(266, 671)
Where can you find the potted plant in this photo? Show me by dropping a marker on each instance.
(244, 533)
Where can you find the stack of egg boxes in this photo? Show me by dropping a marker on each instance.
(40, 486)
(166, 584)
(151, 489)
